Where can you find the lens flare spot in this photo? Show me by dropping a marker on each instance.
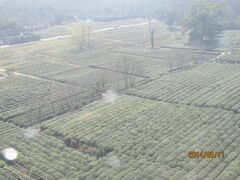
(110, 96)
(10, 154)
(113, 161)
(31, 132)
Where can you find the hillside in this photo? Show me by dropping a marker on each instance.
(120, 110)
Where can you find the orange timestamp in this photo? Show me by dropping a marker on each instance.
(206, 154)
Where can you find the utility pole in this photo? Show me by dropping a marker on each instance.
(151, 30)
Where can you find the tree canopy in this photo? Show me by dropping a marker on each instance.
(81, 36)
(8, 27)
(204, 21)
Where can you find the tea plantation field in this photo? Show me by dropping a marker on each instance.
(121, 110)
(208, 85)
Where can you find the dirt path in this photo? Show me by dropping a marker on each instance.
(27, 75)
(67, 36)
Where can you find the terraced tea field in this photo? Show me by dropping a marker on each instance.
(161, 133)
(54, 160)
(16, 90)
(120, 110)
(208, 85)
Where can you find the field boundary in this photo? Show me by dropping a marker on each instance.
(112, 70)
(192, 105)
(134, 54)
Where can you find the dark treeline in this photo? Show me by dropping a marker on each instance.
(49, 12)
(18, 17)
(86, 9)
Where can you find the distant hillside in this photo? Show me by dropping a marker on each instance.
(48, 12)
(54, 11)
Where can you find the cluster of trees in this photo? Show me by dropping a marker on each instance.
(13, 33)
(207, 19)
(127, 71)
(204, 22)
(202, 19)
(9, 27)
(82, 36)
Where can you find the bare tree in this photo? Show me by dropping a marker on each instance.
(100, 81)
(82, 36)
(129, 71)
(38, 111)
(116, 75)
(125, 71)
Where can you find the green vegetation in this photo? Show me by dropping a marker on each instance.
(204, 21)
(120, 109)
(12, 33)
(210, 85)
(82, 36)
(54, 160)
(159, 133)
(9, 27)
